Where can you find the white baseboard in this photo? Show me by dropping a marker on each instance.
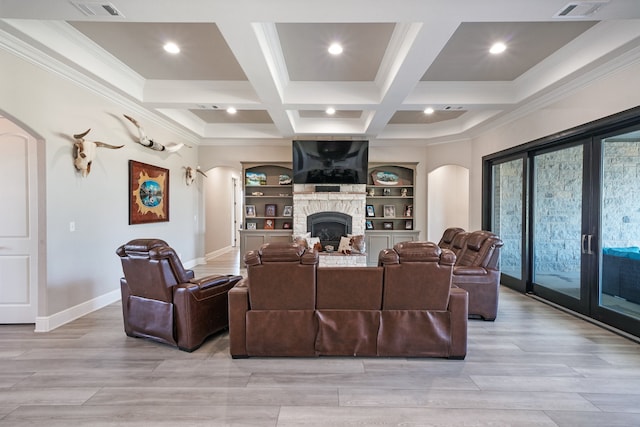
(49, 323)
(217, 253)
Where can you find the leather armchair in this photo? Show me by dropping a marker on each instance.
(417, 282)
(164, 302)
(477, 270)
(446, 241)
(272, 310)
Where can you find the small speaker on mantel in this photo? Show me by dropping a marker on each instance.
(327, 188)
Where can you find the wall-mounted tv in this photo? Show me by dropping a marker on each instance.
(330, 162)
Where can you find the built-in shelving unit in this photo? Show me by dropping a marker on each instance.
(390, 209)
(268, 204)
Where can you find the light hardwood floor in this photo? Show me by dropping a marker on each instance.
(533, 366)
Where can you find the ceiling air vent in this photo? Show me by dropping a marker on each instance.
(580, 9)
(97, 9)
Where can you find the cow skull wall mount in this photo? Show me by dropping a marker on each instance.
(143, 139)
(190, 174)
(84, 152)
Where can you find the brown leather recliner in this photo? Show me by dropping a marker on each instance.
(446, 241)
(477, 270)
(163, 301)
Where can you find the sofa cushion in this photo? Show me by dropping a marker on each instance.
(357, 288)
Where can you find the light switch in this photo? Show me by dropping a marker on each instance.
(72, 226)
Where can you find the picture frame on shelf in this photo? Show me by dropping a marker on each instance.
(386, 191)
(286, 226)
(371, 211)
(252, 226)
(269, 223)
(288, 211)
(389, 211)
(250, 211)
(408, 210)
(408, 224)
(270, 210)
(387, 225)
(368, 225)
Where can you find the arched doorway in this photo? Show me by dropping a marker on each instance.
(448, 200)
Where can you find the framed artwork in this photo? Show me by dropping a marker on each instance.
(368, 225)
(148, 193)
(270, 210)
(269, 224)
(371, 211)
(286, 226)
(408, 225)
(387, 225)
(389, 211)
(288, 211)
(250, 211)
(408, 210)
(255, 178)
(251, 226)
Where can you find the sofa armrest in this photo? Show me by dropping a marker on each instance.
(459, 309)
(209, 281)
(238, 308)
(469, 271)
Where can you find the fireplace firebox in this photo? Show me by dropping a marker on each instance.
(329, 227)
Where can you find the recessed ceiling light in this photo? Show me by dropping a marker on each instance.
(335, 49)
(497, 48)
(231, 110)
(330, 111)
(429, 110)
(172, 48)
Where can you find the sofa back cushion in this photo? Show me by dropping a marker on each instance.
(349, 288)
(481, 249)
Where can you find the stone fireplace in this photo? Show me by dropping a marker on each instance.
(329, 215)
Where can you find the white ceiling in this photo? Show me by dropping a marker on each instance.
(268, 59)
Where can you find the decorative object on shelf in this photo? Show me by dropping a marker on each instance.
(84, 152)
(269, 224)
(389, 211)
(329, 248)
(143, 139)
(386, 191)
(404, 192)
(372, 192)
(345, 245)
(284, 179)
(284, 194)
(270, 210)
(148, 193)
(251, 226)
(408, 225)
(368, 225)
(408, 210)
(257, 193)
(250, 210)
(371, 211)
(385, 178)
(255, 178)
(190, 174)
(288, 211)
(286, 226)
(387, 225)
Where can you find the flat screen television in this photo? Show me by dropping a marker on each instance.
(330, 162)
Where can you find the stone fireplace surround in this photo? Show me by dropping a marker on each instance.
(350, 200)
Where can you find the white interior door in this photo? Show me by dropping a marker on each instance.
(18, 227)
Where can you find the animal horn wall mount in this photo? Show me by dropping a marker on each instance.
(84, 152)
(144, 140)
(190, 174)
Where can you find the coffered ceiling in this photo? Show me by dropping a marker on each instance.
(269, 60)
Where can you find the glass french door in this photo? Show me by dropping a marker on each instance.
(562, 244)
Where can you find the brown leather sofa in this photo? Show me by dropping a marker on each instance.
(477, 270)
(163, 301)
(446, 241)
(288, 306)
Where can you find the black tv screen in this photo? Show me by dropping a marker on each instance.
(330, 162)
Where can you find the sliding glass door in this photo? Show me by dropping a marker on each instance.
(568, 210)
